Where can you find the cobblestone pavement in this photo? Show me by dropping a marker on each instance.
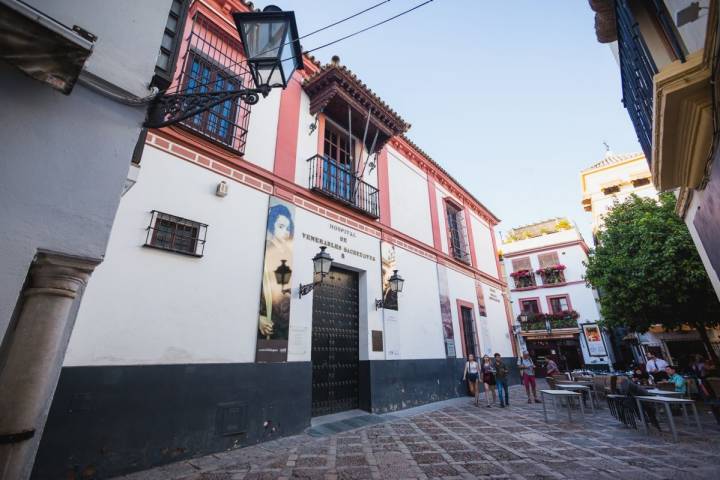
(461, 441)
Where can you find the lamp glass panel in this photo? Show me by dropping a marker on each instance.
(325, 265)
(264, 39)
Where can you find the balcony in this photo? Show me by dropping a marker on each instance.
(524, 279)
(637, 69)
(552, 275)
(548, 321)
(336, 181)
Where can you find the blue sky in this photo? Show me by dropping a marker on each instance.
(512, 98)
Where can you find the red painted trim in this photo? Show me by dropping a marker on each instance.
(495, 250)
(510, 320)
(556, 246)
(179, 143)
(383, 178)
(321, 134)
(555, 285)
(471, 238)
(565, 295)
(471, 306)
(448, 237)
(520, 300)
(287, 132)
(434, 220)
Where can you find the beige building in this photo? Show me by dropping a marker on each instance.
(613, 179)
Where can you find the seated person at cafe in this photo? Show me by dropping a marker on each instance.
(631, 389)
(656, 367)
(677, 379)
(639, 375)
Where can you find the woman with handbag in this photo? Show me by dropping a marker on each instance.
(488, 377)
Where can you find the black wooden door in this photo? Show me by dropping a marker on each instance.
(335, 343)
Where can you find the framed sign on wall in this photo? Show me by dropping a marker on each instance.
(593, 337)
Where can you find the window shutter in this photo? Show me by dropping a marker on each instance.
(521, 264)
(548, 259)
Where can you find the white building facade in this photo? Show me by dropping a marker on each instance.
(556, 312)
(190, 341)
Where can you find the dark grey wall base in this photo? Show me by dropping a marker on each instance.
(398, 384)
(116, 420)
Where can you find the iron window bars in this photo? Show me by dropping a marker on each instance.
(458, 234)
(336, 181)
(176, 234)
(212, 65)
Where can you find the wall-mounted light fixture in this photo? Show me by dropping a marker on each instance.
(396, 286)
(222, 189)
(321, 266)
(282, 275)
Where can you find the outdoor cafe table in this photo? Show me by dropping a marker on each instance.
(664, 393)
(562, 394)
(575, 387)
(668, 401)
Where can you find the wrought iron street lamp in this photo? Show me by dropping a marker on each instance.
(272, 49)
(396, 286)
(282, 275)
(322, 262)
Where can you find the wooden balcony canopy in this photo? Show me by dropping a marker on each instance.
(341, 96)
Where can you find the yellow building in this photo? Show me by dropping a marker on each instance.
(614, 179)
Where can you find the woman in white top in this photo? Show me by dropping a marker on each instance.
(471, 375)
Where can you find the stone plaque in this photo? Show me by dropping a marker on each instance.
(377, 341)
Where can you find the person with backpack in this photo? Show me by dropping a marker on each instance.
(527, 370)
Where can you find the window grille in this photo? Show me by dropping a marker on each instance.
(469, 332)
(458, 234)
(213, 61)
(529, 306)
(176, 234)
(559, 304)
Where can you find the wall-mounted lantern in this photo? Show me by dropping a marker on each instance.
(272, 48)
(396, 286)
(321, 266)
(282, 275)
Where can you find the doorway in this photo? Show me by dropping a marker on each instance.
(335, 343)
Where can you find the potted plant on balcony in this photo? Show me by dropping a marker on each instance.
(552, 274)
(523, 278)
(564, 319)
(532, 321)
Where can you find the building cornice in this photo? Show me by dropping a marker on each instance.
(545, 248)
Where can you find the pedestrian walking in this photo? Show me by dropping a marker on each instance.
(501, 372)
(527, 370)
(471, 376)
(488, 377)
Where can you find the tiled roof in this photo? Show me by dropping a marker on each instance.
(612, 159)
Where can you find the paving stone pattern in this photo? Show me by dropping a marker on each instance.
(461, 441)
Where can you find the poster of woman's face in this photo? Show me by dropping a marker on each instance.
(274, 311)
(389, 264)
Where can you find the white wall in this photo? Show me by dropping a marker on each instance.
(497, 337)
(262, 131)
(307, 142)
(419, 325)
(147, 306)
(442, 220)
(409, 203)
(484, 251)
(693, 33)
(128, 36)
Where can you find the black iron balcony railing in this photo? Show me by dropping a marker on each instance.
(637, 69)
(336, 181)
